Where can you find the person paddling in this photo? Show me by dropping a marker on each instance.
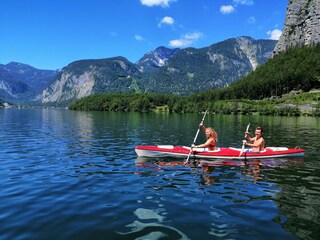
(212, 138)
(257, 142)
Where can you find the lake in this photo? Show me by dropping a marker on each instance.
(75, 175)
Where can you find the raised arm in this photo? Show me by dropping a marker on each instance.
(202, 127)
(248, 137)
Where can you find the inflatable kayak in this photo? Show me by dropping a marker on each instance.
(225, 153)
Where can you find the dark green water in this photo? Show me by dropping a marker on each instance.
(75, 175)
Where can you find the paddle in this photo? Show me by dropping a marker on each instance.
(245, 137)
(195, 138)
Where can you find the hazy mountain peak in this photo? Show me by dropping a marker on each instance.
(155, 59)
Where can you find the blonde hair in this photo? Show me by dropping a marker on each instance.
(213, 133)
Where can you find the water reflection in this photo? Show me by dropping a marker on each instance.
(253, 164)
(255, 169)
(151, 225)
(208, 174)
(234, 189)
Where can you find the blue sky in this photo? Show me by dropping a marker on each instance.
(49, 34)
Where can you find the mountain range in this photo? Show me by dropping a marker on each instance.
(164, 70)
(21, 83)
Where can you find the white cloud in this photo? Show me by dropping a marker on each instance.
(151, 3)
(180, 43)
(226, 9)
(166, 20)
(243, 2)
(274, 34)
(187, 40)
(251, 20)
(139, 37)
(193, 36)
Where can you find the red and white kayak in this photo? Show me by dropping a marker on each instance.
(226, 153)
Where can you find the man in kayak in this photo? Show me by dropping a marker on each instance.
(257, 141)
(212, 138)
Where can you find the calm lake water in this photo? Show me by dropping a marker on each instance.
(75, 175)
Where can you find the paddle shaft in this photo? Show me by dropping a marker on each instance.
(195, 138)
(245, 137)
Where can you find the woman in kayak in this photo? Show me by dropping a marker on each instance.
(212, 138)
(257, 141)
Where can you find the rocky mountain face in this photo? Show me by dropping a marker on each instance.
(257, 51)
(20, 82)
(302, 25)
(86, 77)
(155, 59)
(164, 70)
(192, 70)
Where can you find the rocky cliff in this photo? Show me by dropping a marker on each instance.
(155, 59)
(302, 25)
(193, 70)
(86, 77)
(177, 71)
